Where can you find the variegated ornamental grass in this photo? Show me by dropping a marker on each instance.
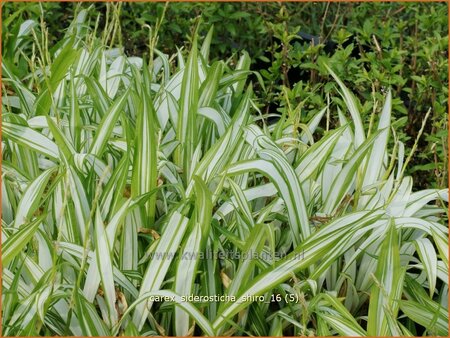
(125, 181)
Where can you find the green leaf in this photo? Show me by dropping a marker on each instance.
(185, 275)
(204, 51)
(164, 253)
(104, 263)
(186, 128)
(30, 139)
(178, 300)
(352, 106)
(375, 160)
(313, 160)
(217, 157)
(342, 184)
(66, 57)
(209, 87)
(243, 64)
(61, 140)
(428, 257)
(283, 177)
(191, 251)
(433, 317)
(322, 243)
(340, 319)
(75, 121)
(387, 289)
(17, 241)
(144, 177)
(32, 197)
(91, 324)
(253, 247)
(107, 124)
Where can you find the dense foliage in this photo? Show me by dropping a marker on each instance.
(379, 45)
(150, 195)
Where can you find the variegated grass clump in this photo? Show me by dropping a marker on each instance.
(124, 181)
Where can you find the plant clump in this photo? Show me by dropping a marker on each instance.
(144, 198)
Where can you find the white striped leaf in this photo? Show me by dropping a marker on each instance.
(144, 176)
(107, 124)
(30, 139)
(105, 261)
(352, 106)
(32, 197)
(428, 257)
(283, 177)
(157, 268)
(186, 128)
(18, 240)
(387, 288)
(309, 252)
(186, 306)
(347, 175)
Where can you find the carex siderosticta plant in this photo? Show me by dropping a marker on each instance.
(136, 195)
